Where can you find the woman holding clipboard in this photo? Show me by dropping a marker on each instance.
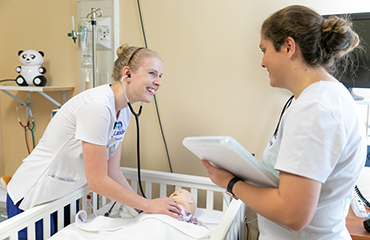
(319, 148)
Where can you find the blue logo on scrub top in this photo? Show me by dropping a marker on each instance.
(119, 131)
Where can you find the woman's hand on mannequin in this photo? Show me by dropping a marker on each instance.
(163, 205)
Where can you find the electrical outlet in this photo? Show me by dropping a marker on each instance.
(104, 33)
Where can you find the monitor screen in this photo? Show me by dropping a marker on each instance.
(357, 75)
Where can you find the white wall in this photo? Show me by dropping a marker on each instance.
(213, 83)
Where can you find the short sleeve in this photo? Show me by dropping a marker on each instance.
(312, 141)
(93, 121)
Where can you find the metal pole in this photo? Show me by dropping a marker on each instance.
(93, 25)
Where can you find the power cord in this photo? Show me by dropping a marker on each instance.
(155, 98)
(364, 200)
(249, 224)
(8, 80)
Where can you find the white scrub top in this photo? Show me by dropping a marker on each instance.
(322, 138)
(55, 167)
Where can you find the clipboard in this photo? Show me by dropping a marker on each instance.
(226, 153)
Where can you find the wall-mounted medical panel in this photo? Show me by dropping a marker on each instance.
(105, 38)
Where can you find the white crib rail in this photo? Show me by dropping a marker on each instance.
(231, 226)
(10, 227)
(195, 183)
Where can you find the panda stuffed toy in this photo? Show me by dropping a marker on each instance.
(31, 72)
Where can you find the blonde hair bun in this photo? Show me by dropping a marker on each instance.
(122, 49)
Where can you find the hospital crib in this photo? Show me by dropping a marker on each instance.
(230, 226)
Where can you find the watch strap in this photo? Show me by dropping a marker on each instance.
(231, 184)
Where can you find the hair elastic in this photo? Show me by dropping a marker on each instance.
(133, 55)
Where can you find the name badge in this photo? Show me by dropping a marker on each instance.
(111, 147)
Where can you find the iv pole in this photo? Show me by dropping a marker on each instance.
(93, 25)
(93, 15)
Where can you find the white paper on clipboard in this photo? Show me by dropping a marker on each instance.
(226, 153)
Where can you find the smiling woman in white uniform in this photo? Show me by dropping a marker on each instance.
(82, 143)
(319, 147)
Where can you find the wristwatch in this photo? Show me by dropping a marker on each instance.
(231, 185)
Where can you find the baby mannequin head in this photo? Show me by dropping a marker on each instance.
(185, 199)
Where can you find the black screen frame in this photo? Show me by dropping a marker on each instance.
(353, 81)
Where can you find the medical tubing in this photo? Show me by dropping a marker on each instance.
(31, 130)
(25, 134)
(25, 129)
(155, 98)
(357, 190)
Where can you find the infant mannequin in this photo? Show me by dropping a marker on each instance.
(187, 203)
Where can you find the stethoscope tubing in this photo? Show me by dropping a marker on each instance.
(136, 115)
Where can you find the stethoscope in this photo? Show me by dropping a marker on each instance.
(137, 138)
(287, 104)
(137, 132)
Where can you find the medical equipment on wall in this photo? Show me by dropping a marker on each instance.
(87, 46)
(97, 36)
(30, 124)
(88, 59)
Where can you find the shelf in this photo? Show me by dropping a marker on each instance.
(36, 89)
(40, 90)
